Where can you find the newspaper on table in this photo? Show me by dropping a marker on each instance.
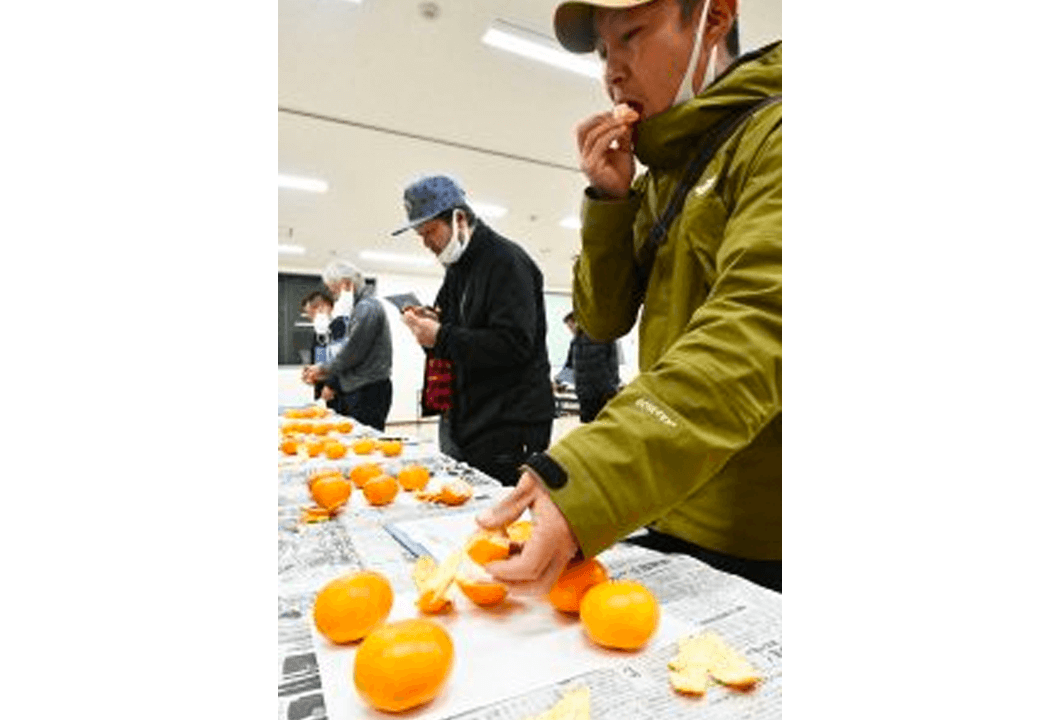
(629, 686)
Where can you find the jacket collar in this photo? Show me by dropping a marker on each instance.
(474, 244)
(666, 140)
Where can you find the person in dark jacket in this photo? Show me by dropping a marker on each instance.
(361, 363)
(328, 332)
(595, 370)
(489, 321)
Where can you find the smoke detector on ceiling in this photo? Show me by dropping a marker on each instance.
(429, 10)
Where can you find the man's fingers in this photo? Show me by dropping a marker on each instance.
(511, 506)
(590, 123)
(531, 580)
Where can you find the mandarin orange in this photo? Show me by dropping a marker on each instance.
(350, 606)
(620, 614)
(331, 492)
(403, 664)
(414, 477)
(380, 490)
(577, 578)
(364, 472)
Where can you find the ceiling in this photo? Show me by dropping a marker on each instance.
(375, 94)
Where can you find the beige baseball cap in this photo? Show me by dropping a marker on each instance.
(573, 22)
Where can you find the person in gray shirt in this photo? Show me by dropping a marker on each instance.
(362, 364)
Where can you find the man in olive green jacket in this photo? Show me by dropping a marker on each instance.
(692, 447)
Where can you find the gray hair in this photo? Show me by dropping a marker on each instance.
(339, 270)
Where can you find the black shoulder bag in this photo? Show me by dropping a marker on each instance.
(704, 154)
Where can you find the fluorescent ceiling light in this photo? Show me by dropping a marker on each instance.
(294, 182)
(488, 211)
(396, 258)
(571, 223)
(530, 45)
(291, 250)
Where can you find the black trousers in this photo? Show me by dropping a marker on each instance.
(368, 404)
(766, 573)
(499, 452)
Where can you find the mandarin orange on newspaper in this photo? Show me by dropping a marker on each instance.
(364, 472)
(364, 446)
(349, 607)
(390, 448)
(335, 450)
(331, 492)
(620, 614)
(414, 477)
(380, 490)
(566, 595)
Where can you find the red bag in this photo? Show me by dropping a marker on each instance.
(437, 385)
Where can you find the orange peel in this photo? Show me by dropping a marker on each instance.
(433, 582)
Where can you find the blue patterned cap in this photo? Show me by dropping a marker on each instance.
(429, 197)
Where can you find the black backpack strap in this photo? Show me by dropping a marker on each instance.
(704, 153)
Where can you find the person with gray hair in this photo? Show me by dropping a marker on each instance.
(363, 363)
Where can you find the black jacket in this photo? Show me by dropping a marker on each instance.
(492, 313)
(595, 366)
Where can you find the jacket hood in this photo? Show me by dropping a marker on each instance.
(665, 141)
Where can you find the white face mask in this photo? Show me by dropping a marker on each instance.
(344, 305)
(321, 321)
(457, 244)
(685, 92)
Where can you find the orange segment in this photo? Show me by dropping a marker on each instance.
(519, 531)
(482, 592)
(487, 545)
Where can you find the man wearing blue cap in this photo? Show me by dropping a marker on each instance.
(489, 323)
(691, 448)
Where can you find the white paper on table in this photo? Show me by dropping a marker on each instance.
(498, 653)
(438, 536)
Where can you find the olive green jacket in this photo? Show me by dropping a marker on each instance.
(691, 447)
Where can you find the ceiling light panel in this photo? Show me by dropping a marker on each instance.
(295, 182)
(524, 43)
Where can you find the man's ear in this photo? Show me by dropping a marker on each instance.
(720, 18)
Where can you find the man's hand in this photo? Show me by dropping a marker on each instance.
(424, 329)
(313, 374)
(550, 547)
(327, 394)
(606, 150)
